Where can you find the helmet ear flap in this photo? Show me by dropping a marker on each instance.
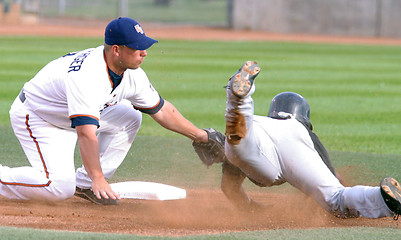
(293, 104)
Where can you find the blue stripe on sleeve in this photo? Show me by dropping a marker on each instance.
(83, 120)
(154, 109)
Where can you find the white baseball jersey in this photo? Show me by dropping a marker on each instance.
(73, 90)
(78, 86)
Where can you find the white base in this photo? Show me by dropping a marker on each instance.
(148, 190)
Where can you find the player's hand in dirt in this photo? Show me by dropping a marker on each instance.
(101, 188)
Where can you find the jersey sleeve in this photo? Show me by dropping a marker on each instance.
(153, 109)
(145, 98)
(86, 86)
(83, 120)
(82, 99)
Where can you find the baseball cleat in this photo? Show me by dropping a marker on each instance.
(241, 82)
(89, 195)
(391, 193)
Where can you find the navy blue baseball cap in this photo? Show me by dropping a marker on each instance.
(128, 32)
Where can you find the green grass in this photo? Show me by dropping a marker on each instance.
(354, 92)
(199, 12)
(307, 234)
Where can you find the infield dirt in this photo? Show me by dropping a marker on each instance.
(202, 212)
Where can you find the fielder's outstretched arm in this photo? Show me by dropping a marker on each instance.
(170, 118)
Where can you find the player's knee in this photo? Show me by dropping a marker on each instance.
(61, 190)
(128, 122)
(134, 120)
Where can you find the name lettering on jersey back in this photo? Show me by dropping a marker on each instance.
(78, 61)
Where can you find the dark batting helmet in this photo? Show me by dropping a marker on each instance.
(289, 104)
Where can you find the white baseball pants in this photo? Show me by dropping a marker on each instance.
(50, 152)
(277, 151)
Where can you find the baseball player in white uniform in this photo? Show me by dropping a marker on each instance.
(96, 96)
(281, 147)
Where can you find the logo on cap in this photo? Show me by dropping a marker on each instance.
(139, 29)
